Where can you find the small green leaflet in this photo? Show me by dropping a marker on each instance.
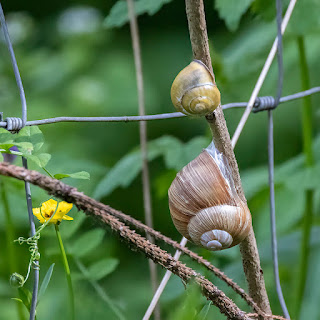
(231, 11)
(100, 269)
(45, 282)
(29, 141)
(118, 15)
(77, 175)
(86, 242)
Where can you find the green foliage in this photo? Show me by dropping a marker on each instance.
(87, 242)
(231, 11)
(118, 15)
(25, 297)
(77, 175)
(299, 25)
(175, 153)
(100, 269)
(45, 282)
(191, 305)
(29, 141)
(92, 74)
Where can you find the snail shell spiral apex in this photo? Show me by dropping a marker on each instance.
(216, 240)
(194, 91)
(204, 205)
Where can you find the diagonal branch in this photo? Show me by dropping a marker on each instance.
(61, 190)
(136, 241)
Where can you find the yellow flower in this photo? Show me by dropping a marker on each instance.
(48, 208)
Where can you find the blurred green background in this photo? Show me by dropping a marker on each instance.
(75, 61)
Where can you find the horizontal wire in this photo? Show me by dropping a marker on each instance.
(161, 116)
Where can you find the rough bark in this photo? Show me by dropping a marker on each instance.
(101, 212)
(248, 248)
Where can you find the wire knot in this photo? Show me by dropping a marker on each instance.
(264, 103)
(14, 124)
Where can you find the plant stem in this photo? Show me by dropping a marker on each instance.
(67, 270)
(100, 291)
(10, 239)
(218, 126)
(309, 194)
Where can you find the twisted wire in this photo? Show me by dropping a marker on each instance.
(261, 104)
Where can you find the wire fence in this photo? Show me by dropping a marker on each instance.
(254, 105)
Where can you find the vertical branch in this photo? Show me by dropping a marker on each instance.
(248, 248)
(143, 139)
(24, 161)
(309, 161)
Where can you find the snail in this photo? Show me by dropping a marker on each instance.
(194, 91)
(204, 205)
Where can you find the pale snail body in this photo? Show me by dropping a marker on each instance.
(204, 205)
(194, 91)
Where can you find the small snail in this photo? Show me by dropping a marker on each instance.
(204, 205)
(194, 91)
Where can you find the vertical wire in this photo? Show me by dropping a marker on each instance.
(274, 244)
(143, 140)
(262, 76)
(24, 160)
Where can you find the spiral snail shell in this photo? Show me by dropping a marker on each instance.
(204, 205)
(194, 91)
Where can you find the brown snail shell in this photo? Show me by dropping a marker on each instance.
(204, 205)
(194, 91)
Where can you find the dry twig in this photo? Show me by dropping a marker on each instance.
(137, 242)
(248, 247)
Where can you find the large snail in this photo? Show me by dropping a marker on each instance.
(204, 205)
(194, 91)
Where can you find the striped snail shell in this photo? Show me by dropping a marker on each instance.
(194, 91)
(204, 205)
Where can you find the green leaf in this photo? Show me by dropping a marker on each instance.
(190, 307)
(237, 60)
(254, 180)
(32, 135)
(205, 310)
(5, 147)
(101, 268)
(87, 242)
(231, 11)
(312, 293)
(45, 282)
(118, 15)
(175, 153)
(68, 230)
(6, 137)
(26, 296)
(40, 159)
(305, 18)
(76, 175)
(304, 179)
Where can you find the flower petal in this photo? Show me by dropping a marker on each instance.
(48, 207)
(37, 214)
(64, 207)
(66, 217)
